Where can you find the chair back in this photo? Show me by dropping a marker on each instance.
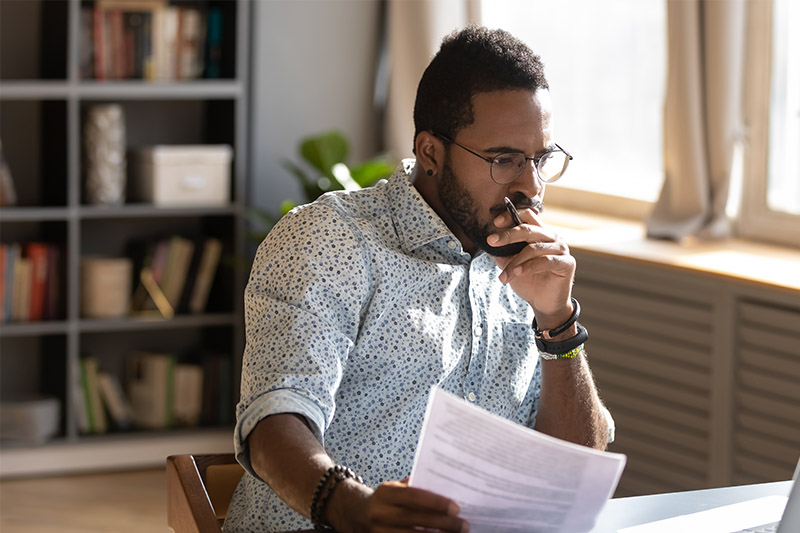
(199, 488)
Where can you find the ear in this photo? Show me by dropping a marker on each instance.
(430, 152)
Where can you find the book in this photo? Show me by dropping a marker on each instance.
(3, 258)
(188, 389)
(179, 258)
(204, 278)
(52, 291)
(77, 393)
(98, 423)
(37, 253)
(8, 193)
(150, 378)
(21, 303)
(115, 400)
(13, 254)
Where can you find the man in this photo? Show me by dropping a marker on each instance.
(360, 302)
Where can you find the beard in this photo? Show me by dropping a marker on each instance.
(463, 210)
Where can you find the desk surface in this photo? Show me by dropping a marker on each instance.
(626, 512)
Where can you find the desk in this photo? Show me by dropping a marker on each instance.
(626, 512)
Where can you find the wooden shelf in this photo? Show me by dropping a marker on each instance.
(42, 128)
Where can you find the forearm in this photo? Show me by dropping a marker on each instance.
(569, 406)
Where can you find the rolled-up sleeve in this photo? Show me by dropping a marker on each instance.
(302, 310)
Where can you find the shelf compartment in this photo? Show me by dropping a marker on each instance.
(33, 39)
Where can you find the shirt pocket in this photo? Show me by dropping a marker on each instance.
(520, 358)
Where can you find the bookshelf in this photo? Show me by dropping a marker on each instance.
(45, 93)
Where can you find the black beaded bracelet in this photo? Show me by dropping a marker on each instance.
(549, 334)
(327, 483)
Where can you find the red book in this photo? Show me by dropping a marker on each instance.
(36, 252)
(99, 46)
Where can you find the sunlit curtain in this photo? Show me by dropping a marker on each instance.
(702, 117)
(415, 29)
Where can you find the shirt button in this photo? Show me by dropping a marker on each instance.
(451, 244)
(471, 396)
(478, 331)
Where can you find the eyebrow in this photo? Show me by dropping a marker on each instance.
(510, 150)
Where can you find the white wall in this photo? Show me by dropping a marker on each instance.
(313, 70)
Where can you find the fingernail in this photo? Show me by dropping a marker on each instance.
(503, 277)
(464, 527)
(453, 509)
(492, 239)
(500, 221)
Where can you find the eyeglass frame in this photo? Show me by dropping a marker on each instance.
(491, 160)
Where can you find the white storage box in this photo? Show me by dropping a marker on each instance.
(170, 175)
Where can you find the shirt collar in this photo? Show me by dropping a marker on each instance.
(416, 222)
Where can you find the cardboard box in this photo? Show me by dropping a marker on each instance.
(177, 175)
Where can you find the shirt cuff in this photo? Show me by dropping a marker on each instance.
(273, 403)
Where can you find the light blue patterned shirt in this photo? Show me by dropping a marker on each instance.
(357, 304)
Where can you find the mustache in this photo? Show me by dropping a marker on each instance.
(534, 204)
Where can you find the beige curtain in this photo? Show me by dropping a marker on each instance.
(415, 30)
(702, 117)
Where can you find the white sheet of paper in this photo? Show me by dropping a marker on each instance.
(508, 478)
(725, 519)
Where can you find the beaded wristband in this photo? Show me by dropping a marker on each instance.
(569, 355)
(327, 483)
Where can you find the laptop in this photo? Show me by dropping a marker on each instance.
(790, 522)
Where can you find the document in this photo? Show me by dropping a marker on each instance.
(508, 478)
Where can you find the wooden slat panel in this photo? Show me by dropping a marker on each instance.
(617, 398)
(609, 375)
(635, 325)
(689, 313)
(750, 423)
(786, 387)
(787, 365)
(642, 448)
(655, 367)
(770, 316)
(668, 434)
(774, 408)
(757, 469)
(772, 341)
(760, 446)
(686, 354)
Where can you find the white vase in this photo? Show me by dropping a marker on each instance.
(104, 138)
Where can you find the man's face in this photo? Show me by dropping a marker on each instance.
(505, 121)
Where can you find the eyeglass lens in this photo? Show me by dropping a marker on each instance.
(508, 167)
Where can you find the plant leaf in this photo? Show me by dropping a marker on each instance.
(370, 172)
(325, 150)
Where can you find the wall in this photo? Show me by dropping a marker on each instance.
(313, 70)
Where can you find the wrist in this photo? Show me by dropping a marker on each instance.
(346, 509)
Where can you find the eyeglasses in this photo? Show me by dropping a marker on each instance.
(506, 168)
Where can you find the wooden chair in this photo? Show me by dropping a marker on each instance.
(199, 488)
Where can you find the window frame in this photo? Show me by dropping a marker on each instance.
(756, 221)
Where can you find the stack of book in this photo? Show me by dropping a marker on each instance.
(30, 282)
(182, 270)
(149, 39)
(158, 393)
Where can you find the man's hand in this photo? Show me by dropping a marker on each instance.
(285, 453)
(542, 273)
(393, 507)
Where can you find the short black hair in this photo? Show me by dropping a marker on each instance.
(471, 61)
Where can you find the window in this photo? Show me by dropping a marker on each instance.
(770, 208)
(783, 177)
(606, 65)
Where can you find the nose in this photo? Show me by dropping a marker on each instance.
(528, 183)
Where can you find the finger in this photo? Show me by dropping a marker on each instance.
(524, 233)
(538, 258)
(401, 519)
(401, 495)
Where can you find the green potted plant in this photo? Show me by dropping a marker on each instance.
(324, 170)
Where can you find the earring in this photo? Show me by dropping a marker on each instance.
(430, 172)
